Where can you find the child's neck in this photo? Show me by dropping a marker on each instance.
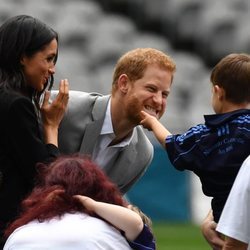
(229, 106)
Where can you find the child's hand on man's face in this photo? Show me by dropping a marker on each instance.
(147, 120)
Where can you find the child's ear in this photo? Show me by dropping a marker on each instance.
(219, 92)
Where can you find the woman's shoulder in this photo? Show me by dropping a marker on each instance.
(10, 96)
(11, 100)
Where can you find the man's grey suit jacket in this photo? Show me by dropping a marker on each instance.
(81, 127)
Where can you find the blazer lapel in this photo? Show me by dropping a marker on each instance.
(93, 129)
(122, 169)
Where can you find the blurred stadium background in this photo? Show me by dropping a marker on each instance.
(195, 33)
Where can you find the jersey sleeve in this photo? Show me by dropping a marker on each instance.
(144, 241)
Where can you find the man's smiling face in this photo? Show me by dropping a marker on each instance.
(148, 93)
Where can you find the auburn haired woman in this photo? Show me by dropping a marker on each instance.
(68, 208)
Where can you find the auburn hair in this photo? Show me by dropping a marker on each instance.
(57, 184)
(135, 62)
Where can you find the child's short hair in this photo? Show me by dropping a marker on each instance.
(146, 220)
(232, 73)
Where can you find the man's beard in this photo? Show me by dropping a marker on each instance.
(133, 109)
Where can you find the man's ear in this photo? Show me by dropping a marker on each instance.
(123, 83)
(219, 92)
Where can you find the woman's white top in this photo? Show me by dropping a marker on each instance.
(71, 232)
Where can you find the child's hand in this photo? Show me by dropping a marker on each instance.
(86, 201)
(147, 120)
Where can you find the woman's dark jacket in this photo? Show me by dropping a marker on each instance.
(21, 147)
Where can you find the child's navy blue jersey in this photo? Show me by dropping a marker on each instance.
(144, 241)
(214, 151)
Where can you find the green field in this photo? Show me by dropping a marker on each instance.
(179, 237)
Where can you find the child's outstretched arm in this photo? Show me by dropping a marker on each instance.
(151, 123)
(121, 217)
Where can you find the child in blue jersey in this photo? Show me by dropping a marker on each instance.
(131, 221)
(216, 149)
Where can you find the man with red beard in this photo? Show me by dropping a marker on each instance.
(106, 127)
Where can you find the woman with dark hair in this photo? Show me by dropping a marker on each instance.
(29, 126)
(54, 217)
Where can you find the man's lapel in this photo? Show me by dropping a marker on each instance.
(124, 166)
(93, 129)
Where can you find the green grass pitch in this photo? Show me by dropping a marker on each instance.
(179, 237)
